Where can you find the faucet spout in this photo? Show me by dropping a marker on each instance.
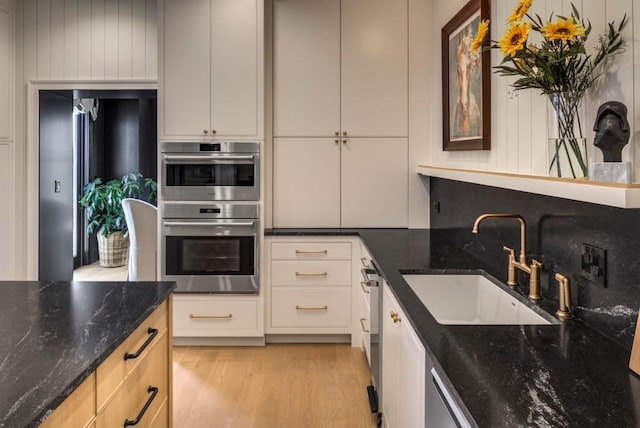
(523, 230)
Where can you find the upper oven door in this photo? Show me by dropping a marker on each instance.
(211, 256)
(211, 176)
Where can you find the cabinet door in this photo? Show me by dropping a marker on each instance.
(375, 182)
(234, 67)
(186, 81)
(390, 360)
(6, 62)
(375, 68)
(306, 182)
(411, 378)
(306, 67)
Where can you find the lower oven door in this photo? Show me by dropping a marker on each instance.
(211, 256)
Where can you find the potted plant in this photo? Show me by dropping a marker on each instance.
(103, 202)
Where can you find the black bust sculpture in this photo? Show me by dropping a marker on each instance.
(612, 130)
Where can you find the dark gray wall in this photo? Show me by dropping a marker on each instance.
(557, 228)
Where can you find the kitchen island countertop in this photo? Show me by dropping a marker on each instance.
(53, 335)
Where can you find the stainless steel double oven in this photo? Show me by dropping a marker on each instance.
(211, 217)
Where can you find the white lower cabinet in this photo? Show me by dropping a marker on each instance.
(310, 285)
(403, 368)
(217, 316)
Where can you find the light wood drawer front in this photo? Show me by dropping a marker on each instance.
(78, 409)
(311, 307)
(115, 368)
(311, 251)
(161, 419)
(137, 390)
(197, 318)
(301, 273)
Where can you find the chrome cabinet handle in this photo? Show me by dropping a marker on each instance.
(312, 308)
(208, 157)
(152, 332)
(206, 223)
(154, 391)
(363, 285)
(214, 317)
(363, 325)
(311, 273)
(311, 251)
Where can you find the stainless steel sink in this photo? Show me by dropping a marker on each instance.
(471, 300)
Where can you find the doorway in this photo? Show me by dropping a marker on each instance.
(84, 134)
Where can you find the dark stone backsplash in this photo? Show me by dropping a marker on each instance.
(556, 230)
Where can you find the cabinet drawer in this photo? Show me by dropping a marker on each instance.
(311, 251)
(77, 409)
(197, 318)
(161, 419)
(311, 307)
(137, 390)
(115, 368)
(301, 273)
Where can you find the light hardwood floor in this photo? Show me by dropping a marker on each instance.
(273, 386)
(94, 272)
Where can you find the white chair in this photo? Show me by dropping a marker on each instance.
(141, 220)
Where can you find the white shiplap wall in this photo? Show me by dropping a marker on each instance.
(71, 40)
(519, 130)
(89, 39)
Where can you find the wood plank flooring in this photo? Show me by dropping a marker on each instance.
(95, 272)
(279, 385)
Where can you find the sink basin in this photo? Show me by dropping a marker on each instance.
(470, 299)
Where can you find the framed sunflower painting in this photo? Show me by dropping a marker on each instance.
(466, 81)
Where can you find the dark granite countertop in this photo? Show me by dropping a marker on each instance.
(53, 335)
(562, 375)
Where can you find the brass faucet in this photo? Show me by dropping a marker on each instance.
(520, 263)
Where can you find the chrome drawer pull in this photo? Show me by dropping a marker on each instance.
(311, 273)
(312, 308)
(154, 391)
(363, 325)
(311, 251)
(152, 332)
(217, 317)
(364, 289)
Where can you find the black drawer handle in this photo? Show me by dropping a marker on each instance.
(154, 391)
(152, 332)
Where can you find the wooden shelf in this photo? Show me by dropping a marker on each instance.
(610, 194)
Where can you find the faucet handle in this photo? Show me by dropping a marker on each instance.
(534, 280)
(509, 251)
(564, 306)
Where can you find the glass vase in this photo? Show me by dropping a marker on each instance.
(567, 153)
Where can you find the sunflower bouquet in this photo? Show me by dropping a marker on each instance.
(558, 64)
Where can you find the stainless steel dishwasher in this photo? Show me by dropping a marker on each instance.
(441, 409)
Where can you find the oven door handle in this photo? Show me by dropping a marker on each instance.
(208, 157)
(205, 223)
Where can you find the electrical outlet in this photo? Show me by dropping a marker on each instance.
(594, 264)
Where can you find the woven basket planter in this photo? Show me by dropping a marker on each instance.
(113, 250)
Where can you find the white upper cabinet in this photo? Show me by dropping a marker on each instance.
(374, 85)
(306, 67)
(6, 72)
(211, 74)
(340, 66)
